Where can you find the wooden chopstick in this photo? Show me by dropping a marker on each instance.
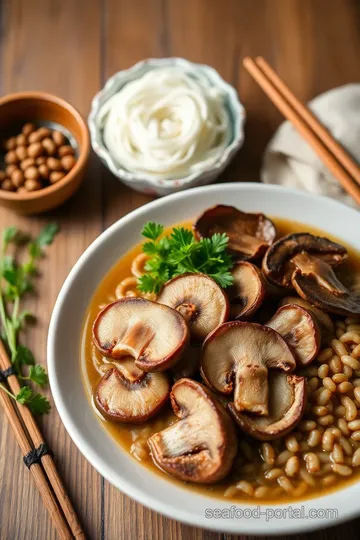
(36, 469)
(46, 460)
(316, 140)
(339, 152)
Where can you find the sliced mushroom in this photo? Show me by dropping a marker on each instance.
(153, 334)
(249, 234)
(323, 319)
(189, 364)
(201, 302)
(300, 330)
(287, 402)
(131, 398)
(236, 357)
(202, 445)
(315, 281)
(248, 291)
(279, 261)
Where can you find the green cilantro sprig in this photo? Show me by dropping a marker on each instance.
(179, 253)
(15, 281)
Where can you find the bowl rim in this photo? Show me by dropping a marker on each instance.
(168, 509)
(137, 178)
(84, 150)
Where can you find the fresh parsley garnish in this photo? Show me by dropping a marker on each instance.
(179, 253)
(16, 279)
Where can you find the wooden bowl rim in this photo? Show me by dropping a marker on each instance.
(84, 149)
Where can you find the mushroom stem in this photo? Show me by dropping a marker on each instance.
(135, 340)
(188, 311)
(251, 389)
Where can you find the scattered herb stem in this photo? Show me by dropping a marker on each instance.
(15, 281)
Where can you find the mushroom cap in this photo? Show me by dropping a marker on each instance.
(300, 330)
(249, 234)
(287, 402)
(236, 357)
(325, 323)
(199, 299)
(153, 334)
(278, 263)
(201, 446)
(248, 290)
(120, 400)
(315, 281)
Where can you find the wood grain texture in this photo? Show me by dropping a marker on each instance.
(30, 31)
(70, 48)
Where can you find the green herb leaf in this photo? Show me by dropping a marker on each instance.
(24, 356)
(35, 250)
(38, 375)
(24, 396)
(180, 253)
(150, 248)
(9, 234)
(152, 230)
(47, 235)
(39, 404)
(147, 283)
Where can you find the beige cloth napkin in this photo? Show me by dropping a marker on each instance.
(291, 162)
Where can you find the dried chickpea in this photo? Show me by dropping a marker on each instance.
(312, 462)
(39, 135)
(54, 164)
(35, 150)
(345, 387)
(2, 176)
(9, 170)
(26, 163)
(343, 470)
(7, 185)
(55, 176)
(17, 178)
(32, 185)
(66, 150)
(28, 128)
(21, 140)
(267, 453)
(44, 171)
(245, 487)
(10, 144)
(21, 152)
(68, 162)
(58, 138)
(31, 173)
(356, 458)
(49, 146)
(40, 160)
(44, 132)
(35, 137)
(11, 157)
(292, 466)
(350, 408)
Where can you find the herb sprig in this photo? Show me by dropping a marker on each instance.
(179, 253)
(15, 281)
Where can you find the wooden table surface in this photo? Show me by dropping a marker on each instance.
(70, 48)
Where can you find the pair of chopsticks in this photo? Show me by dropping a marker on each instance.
(326, 147)
(45, 475)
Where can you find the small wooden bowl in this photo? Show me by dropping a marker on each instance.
(44, 109)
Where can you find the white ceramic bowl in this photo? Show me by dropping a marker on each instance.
(93, 441)
(158, 186)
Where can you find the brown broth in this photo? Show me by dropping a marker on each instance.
(126, 435)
